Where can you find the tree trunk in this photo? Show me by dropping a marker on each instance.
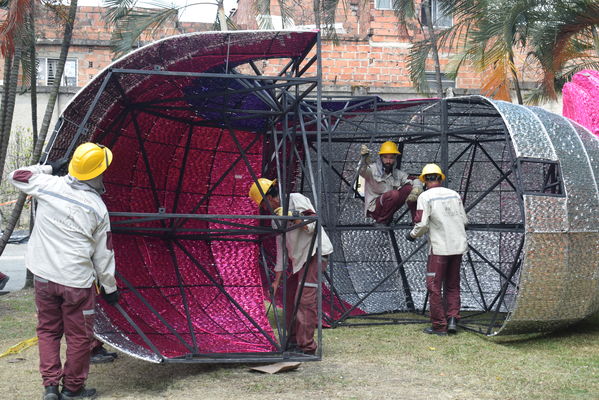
(433, 39)
(64, 51)
(516, 81)
(5, 85)
(9, 106)
(32, 55)
(317, 14)
(222, 19)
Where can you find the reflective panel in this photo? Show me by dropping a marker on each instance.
(526, 131)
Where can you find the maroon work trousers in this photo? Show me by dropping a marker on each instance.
(443, 284)
(69, 311)
(391, 201)
(305, 321)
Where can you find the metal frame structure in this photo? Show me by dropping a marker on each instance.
(477, 131)
(283, 139)
(310, 145)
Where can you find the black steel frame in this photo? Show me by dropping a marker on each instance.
(444, 134)
(297, 127)
(286, 136)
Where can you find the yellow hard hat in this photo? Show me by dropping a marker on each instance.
(255, 194)
(430, 169)
(89, 160)
(389, 148)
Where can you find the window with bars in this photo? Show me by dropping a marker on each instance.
(440, 19)
(46, 72)
(431, 79)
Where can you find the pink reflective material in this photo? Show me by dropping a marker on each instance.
(170, 162)
(159, 268)
(581, 99)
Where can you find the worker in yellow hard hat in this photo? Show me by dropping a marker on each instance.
(386, 187)
(69, 248)
(302, 321)
(440, 212)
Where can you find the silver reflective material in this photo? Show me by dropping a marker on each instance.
(527, 178)
(106, 332)
(526, 131)
(559, 282)
(577, 172)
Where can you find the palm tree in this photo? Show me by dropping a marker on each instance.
(564, 44)
(556, 35)
(64, 50)
(11, 39)
(406, 11)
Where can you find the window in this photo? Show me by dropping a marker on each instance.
(431, 79)
(440, 20)
(46, 72)
(383, 4)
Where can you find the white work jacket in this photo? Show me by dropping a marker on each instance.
(299, 240)
(377, 182)
(442, 214)
(71, 242)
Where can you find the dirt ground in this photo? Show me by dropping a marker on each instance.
(336, 377)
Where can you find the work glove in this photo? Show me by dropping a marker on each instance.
(111, 298)
(364, 150)
(279, 211)
(413, 196)
(409, 237)
(365, 154)
(57, 165)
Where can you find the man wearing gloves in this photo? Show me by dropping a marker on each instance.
(304, 263)
(386, 188)
(441, 213)
(69, 248)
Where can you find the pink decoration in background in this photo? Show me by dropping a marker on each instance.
(581, 99)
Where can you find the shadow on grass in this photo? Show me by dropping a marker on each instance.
(136, 377)
(587, 328)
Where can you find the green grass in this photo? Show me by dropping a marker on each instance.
(376, 362)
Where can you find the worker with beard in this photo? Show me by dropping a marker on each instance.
(386, 188)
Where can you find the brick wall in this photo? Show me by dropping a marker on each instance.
(371, 50)
(91, 39)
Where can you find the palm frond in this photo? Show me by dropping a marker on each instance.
(496, 84)
(404, 10)
(117, 9)
(130, 28)
(417, 65)
(262, 11)
(11, 28)
(286, 14)
(329, 14)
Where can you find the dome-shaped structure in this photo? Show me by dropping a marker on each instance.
(193, 120)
